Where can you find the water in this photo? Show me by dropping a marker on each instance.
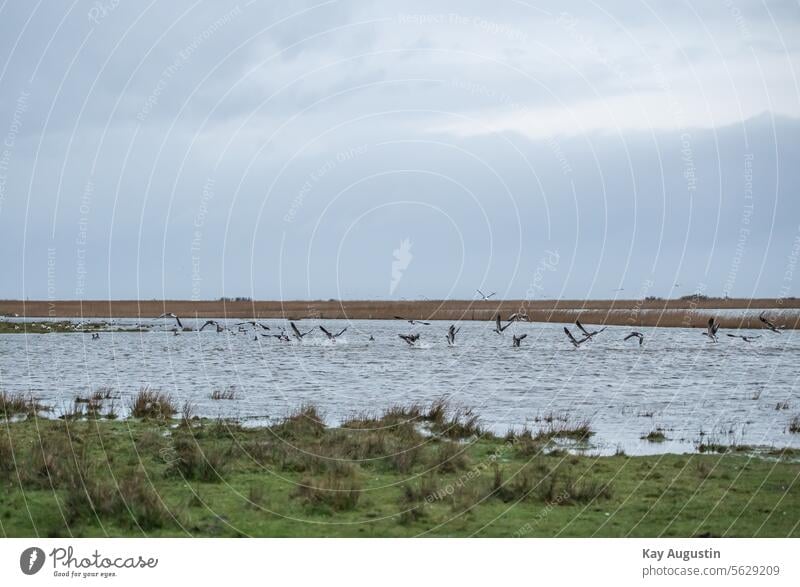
(677, 381)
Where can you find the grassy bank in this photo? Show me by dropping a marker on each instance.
(407, 472)
(686, 312)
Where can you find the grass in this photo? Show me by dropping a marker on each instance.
(382, 475)
(152, 404)
(17, 404)
(655, 435)
(227, 393)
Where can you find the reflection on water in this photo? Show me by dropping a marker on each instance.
(677, 381)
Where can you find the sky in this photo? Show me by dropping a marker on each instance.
(383, 150)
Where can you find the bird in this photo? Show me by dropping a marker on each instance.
(586, 333)
(635, 334)
(409, 338)
(171, 315)
(371, 338)
(253, 323)
(220, 328)
(498, 327)
(518, 316)
(451, 334)
(766, 322)
(95, 336)
(299, 335)
(283, 337)
(412, 321)
(575, 343)
(711, 332)
(332, 337)
(744, 338)
(485, 297)
(518, 339)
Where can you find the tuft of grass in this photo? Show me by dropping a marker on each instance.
(656, 435)
(15, 404)
(228, 393)
(329, 494)
(450, 457)
(580, 430)
(152, 404)
(305, 422)
(189, 461)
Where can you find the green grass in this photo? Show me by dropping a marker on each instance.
(382, 475)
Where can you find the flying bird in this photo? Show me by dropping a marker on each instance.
(332, 337)
(253, 323)
(766, 322)
(744, 338)
(412, 321)
(635, 334)
(518, 339)
(485, 297)
(711, 331)
(498, 328)
(586, 333)
(283, 337)
(219, 327)
(518, 316)
(171, 315)
(451, 334)
(409, 338)
(297, 334)
(575, 343)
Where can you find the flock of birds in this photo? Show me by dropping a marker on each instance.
(584, 335)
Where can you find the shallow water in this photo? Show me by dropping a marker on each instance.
(678, 381)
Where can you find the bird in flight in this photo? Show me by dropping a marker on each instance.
(635, 334)
(332, 337)
(499, 328)
(484, 296)
(711, 331)
(253, 323)
(171, 315)
(412, 321)
(409, 338)
(220, 328)
(766, 322)
(576, 343)
(283, 337)
(744, 338)
(520, 316)
(586, 333)
(451, 334)
(297, 334)
(518, 339)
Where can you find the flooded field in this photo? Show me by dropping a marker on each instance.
(678, 387)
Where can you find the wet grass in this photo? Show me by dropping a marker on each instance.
(383, 474)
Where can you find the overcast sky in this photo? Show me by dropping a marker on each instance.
(356, 150)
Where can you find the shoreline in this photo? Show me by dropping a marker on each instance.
(681, 313)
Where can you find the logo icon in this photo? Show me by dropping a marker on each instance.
(31, 560)
(402, 259)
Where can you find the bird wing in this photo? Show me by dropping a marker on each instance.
(178, 320)
(328, 334)
(571, 338)
(522, 337)
(341, 332)
(294, 329)
(491, 294)
(481, 293)
(264, 326)
(581, 328)
(399, 318)
(631, 335)
(497, 322)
